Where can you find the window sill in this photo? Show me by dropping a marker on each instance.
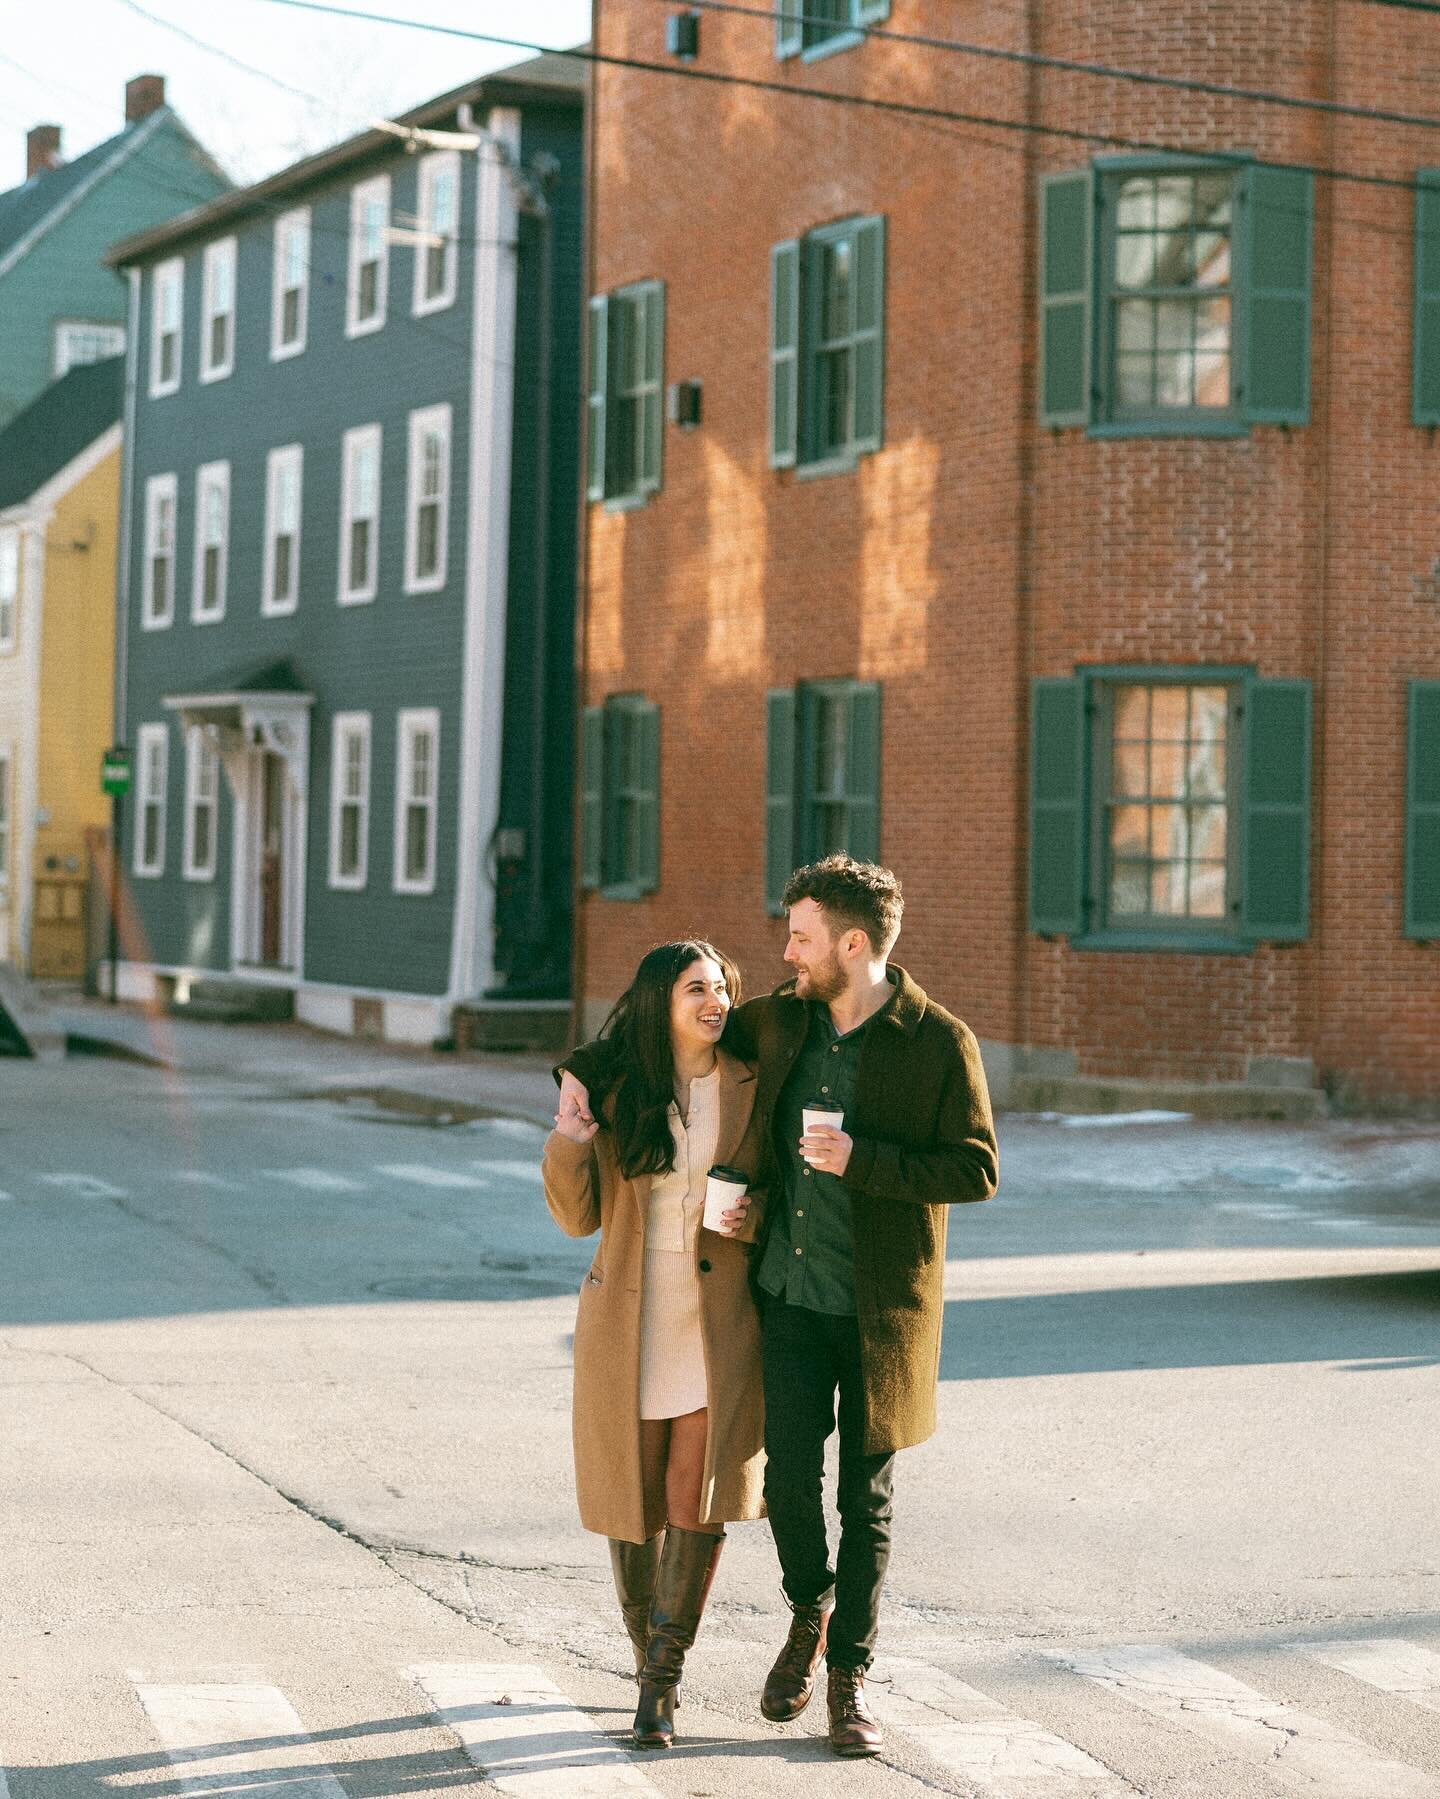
(1168, 943)
(845, 40)
(284, 352)
(625, 502)
(1186, 426)
(832, 465)
(623, 891)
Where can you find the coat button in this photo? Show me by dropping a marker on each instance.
(704, 1267)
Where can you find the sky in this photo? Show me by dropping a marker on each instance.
(66, 62)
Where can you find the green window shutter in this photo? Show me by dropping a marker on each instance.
(871, 12)
(779, 793)
(869, 333)
(1422, 813)
(1426, 350)
(1275, 812)
(1066, 282)
(862, 772)
(595, 412)
(1275, 270)
(789, 27)
(592, 775)
(784, 353)
(1058, 836)
(650, 310)
(645, 721)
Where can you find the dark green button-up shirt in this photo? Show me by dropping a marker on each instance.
(809, 1257)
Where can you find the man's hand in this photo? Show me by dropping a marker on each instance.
(827, 1149)
(573, 1119)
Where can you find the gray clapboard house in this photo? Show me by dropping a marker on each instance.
(345, 663)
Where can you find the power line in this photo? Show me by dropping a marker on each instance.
(901, 108)
(210, 49)
(1102, 71)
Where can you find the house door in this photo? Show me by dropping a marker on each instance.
(57, 928)
(272, 859)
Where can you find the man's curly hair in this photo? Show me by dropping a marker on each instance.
(855, 896)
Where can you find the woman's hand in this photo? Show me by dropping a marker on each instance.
(573, 1119)
(734, 1216)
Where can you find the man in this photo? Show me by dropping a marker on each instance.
(851, 1262)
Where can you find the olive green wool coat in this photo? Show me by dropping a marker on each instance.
(586, 1192)
(924, 1140)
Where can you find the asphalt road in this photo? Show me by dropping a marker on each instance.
(285, 1492)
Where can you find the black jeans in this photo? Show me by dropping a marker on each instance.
(808, 1357)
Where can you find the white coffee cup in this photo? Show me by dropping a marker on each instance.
(819, 1111)
(724, 1190)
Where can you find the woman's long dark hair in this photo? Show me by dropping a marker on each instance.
(638, 1027)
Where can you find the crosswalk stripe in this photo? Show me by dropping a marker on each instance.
(521, 1731)
(1408, 1669)
(977, 1737)
(228, 1738)
(1294, 1746)
(511, 1169)
(202, 1177)
(84, 1186)
(424, 1176)
(314, 1180)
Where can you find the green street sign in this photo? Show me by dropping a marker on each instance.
(115, 772)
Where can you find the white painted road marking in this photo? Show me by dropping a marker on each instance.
(84, 1186)
(227, 1738)
(1293, 1746)
(976, 1737)
(314, 1180)
(523, 1734)
(424, 1176)
(511, 1170)
(202, 1177)
(1385, 1662)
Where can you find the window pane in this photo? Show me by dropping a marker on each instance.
(1135, 207)
(1127, 889)
(1129, 830)
(359, 553)
(349, 840)
(1168, 889)
(1207, 890)
(1135, 326)
(427, 545)
(417, 842)
(1130, 771)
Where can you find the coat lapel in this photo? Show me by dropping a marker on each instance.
(737, 1101)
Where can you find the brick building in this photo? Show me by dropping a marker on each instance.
(1036, 489)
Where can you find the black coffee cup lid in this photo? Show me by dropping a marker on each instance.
(722, 1173)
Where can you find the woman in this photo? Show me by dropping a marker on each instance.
(668, 1416)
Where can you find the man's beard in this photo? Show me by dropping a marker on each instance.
(826, 981)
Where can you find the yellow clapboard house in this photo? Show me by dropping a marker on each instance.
(59, 513)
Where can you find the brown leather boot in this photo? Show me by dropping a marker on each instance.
(853, 1729)
(634, 1565)
(791, 1681)
(682, 1585)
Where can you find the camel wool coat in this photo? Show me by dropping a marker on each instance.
(586, 1192)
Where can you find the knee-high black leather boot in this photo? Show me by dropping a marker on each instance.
(634, 1566)
(682, 1585)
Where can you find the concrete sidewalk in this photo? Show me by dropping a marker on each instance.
(294, 1056)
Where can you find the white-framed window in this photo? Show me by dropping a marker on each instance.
(212, 542)
(158, 584)
(167, 318)
(202, 803)
(152, 767)
(217, 308)
(5, 781)
(369, 279)
(350, 800)
(416, 803)
(85, 340)
(359, 514)
(437, 223)
(9, 588)
(280, 583)
(290, 290)
(427, 508)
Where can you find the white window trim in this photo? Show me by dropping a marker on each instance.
(10, 635)
(61, 364)
(298, 216)
(164, 272)
(144, 737)
(420, 422)
(7, 816)
(272, 606)
(408, 726)
(197, 740)
(350, 446)
(343, 726)
(359, 194)
(224, 246)
(155, 488)
(219, 473)
(438, 162)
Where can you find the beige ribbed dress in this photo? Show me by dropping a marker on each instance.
(672, 1352)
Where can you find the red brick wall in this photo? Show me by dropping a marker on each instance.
(976, 549)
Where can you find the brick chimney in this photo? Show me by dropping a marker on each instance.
(144, 95)
(42, 150)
